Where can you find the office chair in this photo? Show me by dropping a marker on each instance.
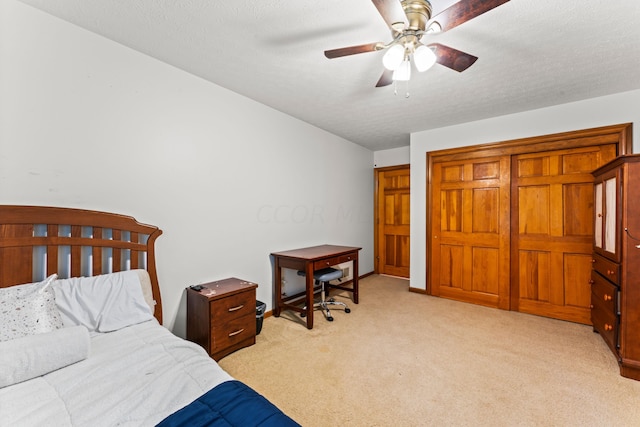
(322, 278)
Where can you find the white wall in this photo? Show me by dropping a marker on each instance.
(88, 123)
(391, 157)
(596, 112)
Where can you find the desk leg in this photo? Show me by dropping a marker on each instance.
(309, 297)
(355, 279)
(277, 273)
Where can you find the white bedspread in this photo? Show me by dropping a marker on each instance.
(133, 377)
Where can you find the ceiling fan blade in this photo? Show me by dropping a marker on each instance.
(453, 58)
(352, 50)
(463, 11)
(385, 79)
(392, 13)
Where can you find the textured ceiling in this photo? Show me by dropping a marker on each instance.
(532, 54)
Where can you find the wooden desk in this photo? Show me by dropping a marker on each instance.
(309, 260)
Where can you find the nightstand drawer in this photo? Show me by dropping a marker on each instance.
(225, 309)
(233, 332)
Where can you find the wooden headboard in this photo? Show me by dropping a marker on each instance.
(37, 241)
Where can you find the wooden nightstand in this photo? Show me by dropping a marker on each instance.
(221, 317)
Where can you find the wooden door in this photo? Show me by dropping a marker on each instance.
(552, 229)
(392, 220)
(546, 191)
(470, 230)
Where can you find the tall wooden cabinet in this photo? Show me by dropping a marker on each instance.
(615, 278)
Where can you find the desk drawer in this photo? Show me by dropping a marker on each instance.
(324, 263)
(329, 262)
(608, 269)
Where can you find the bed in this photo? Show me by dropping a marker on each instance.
(81, 335)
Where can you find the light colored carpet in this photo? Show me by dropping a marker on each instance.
(406, 359)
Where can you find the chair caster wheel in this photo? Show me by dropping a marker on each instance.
(330, 319)
(347, 310)
(303, 314)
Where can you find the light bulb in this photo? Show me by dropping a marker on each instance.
(424, 58)
(393, 57)
(403, 72)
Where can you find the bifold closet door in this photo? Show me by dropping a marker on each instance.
(552, 229)
(470, 230)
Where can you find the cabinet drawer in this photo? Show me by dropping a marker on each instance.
(329, 262)
(607, 268)
(226, 309)
(604, 292)
(605, 322)
(233, 332)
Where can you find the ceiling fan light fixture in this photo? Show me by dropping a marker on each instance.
(393, 57)
(424, 58)
(403, 72)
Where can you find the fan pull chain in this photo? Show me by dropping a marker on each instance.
(395, 89)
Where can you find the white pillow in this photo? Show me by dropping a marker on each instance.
(28, 357)
(102, 303)
(28, 309)
(147, 291)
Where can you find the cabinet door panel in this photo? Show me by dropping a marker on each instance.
(597, 232)
(607, 227)
(610, 204)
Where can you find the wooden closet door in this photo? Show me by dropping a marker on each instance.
(393, 221)
(470, 230)
(552, 231)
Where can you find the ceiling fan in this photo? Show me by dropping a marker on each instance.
(409, 21)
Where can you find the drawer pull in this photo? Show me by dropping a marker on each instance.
(241, 330)
(591, 282)
(607, 297)
(608, 327)
(593, 261)
(610, 272)
(236, 308)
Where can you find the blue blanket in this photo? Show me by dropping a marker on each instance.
(229, 404)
